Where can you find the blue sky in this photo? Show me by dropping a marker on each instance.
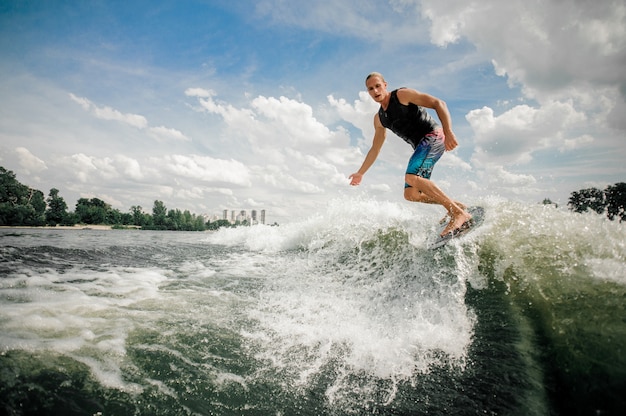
(212, 105)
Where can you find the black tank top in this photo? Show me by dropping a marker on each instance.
(410, 122)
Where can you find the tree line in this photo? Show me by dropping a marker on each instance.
(611, 201)
(21, 205)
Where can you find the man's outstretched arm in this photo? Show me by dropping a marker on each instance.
(380, 134)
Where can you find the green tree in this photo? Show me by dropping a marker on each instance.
(15, 215)
(37, 201)
(113, 216)
(92, 211)
(615, 196)
(159, 215)
(174, 220)
(57, 208)
(148, 223)
(548, 201)
(139, 217)
(70, 219)
(19, 204)
(11, 191)
(585, 199)
(215, 225)
(126, 218)
(199, 224)
(82, 209)
(188, 221)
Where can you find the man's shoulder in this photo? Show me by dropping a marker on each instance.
(402, 95)
(407, 96)
(397, 91)
(404, 92)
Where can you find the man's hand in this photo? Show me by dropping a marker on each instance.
(450, 141)
(356, 179)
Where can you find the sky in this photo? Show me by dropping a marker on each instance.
(261, 104)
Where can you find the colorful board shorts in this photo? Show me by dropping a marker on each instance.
(426, 154)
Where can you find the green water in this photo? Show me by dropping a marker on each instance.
(339, 315)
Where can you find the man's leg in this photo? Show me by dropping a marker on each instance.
(419, 187)
(425, 191)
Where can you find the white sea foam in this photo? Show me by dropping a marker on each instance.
(334, 301)
(534, 237)
(346, 219)
(77, 312)
(352, 293)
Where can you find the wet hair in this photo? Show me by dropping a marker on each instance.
(375, 74)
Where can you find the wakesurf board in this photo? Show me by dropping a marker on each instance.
(478, 216)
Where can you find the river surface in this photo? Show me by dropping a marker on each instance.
(344, 313)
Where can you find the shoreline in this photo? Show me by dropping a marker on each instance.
(62, 227)
(87, 227)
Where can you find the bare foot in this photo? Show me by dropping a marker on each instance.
(445, 217)
(456, 223)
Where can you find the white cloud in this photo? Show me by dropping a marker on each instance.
(273, 124)
(497, 174)
(513, 136)
(294, 119)
(205, 169)
(534, 42)
(29, 162)
(221, 191)
(83, 102)
(285, 134)
(160, 133)
(279, 178)
(80, 165)
(348, 17)
(239, 121)
(452, 160)
(129, 167)
(93, 169)
(497, 179)
(576, 142)
(108, 113)
(567, 58)
(360, 115)
(164, 133)
(252, 203)
(318, 169)
(191, 193)
(199, 92)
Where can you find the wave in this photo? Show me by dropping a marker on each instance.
(366, 287)
(345, 312)
(537, 241)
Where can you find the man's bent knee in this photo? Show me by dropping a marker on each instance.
(413, 195)
(414, 181)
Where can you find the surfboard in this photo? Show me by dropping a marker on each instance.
(478, 216)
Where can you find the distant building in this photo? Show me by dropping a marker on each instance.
(242, 216)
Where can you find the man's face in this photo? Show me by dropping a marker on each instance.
(377, 88)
